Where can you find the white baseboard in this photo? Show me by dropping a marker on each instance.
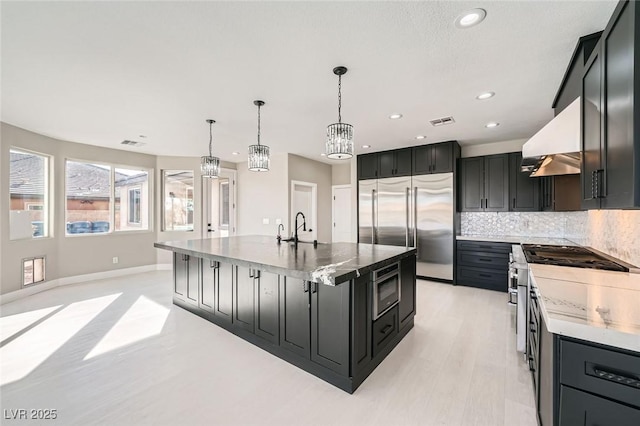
(28, 291)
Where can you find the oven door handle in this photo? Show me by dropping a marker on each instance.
(387, 276)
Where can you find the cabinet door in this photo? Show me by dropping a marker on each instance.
(243, 309)
(386, 164)
(471, 184)
(591, 132)
(330, 326)
(581, 408)
(193, 280)
(619, 62)
(207, 284)
(267, 299)
(295, 334)
(524, 191)
(407, 303)
(403, 160)
(180, 275)
(361, 325)
(546, 394)
(496, 183)
(422, 160)
(224, 293)
(367, 166)
(442, 158)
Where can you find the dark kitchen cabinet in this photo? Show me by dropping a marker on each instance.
(361, 325)
(208, 283)
(560, 193)
(223, 299)
(524, 191)
(407, 304)
(394, 163)
(244, 294)
(385, 329)
(610, 128)
(368, 166)
(482, 264)
(313, 319)
(484, 183)
(267, 299)
(582, 408)
(435, 158)
(186, 277)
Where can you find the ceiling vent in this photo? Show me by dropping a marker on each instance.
(442, 121)
(132, 143)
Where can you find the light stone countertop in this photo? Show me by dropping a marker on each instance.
(516, 239)
(592, 305)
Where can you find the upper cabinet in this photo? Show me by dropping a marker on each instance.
(524, 191)
(484, 183)
(610, 127)
(435, 158)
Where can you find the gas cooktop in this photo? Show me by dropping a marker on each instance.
(575, 256)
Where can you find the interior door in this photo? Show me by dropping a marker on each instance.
(392, 202)
(303, 199)
(341, 214)
(218, 205)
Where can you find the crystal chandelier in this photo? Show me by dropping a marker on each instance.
(339, 135)
(210, 165)
(258, 154)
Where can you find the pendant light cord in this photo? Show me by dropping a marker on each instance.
(210, 139)
(339, 99)
(258, 125)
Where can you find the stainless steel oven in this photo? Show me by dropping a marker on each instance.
(386, 289)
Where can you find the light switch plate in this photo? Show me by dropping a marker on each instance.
(265, 220)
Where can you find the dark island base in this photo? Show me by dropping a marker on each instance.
(347, 384)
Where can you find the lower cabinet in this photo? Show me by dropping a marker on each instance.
(407, 304)
(582, 408)
(483, 264)
(385, 329)
(267, 302)
(315, 322)
(223, 289)
(186, 277)
(244, 297)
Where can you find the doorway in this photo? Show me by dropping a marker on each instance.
(341, 214)
(219, 205)
(304, 198)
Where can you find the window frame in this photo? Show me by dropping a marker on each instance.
(112, 198)
(48, 196)
(129, 210)
(163, 174)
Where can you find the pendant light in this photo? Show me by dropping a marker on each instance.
(258, 154)
(339, 135)
(210, 165)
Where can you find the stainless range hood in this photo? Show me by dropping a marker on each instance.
(555, 149)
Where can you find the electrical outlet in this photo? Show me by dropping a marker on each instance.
(265, 221)
(278, 221)
(115, 259)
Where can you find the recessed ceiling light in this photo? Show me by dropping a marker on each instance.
(395, 116)
(491, 125)
(323, 154)
(366, 146)
(419, 137)
(485, 95)
(142, 136)
(235, 153)
(470, 18)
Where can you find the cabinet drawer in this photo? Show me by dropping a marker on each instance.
(605, 372)
(482, 278)
(486, 260)
(384, 329)
(485, 246)
(581, 408)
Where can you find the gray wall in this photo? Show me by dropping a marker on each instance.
(306, 170)
(68, 256)
(341, 173)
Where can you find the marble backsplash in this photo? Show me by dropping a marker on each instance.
(615, 232)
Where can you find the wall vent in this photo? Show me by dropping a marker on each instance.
(132, 143)
(442, 121)
(33, 270)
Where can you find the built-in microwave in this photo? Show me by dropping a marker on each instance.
(386, 289)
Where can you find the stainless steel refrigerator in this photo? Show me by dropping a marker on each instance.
(412, 211)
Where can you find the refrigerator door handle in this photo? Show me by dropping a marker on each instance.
(415, 217)
(373, 216)
(407, 203)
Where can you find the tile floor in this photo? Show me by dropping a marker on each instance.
(118, 352)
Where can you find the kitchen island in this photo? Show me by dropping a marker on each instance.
(316, 307)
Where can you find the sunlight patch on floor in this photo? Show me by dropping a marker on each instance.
(12, 324)
(144, 319)
(21, 356)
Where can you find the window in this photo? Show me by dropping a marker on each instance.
(177, 190)
(134, 205)
(33, 270)
(29, 195)
(99, 200)
(224, 204)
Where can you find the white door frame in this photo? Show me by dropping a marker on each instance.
(205, 197)
(333, 216)
(314, 207)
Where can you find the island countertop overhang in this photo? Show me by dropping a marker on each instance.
(328, 263)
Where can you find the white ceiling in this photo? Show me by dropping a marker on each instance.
(102, 72)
